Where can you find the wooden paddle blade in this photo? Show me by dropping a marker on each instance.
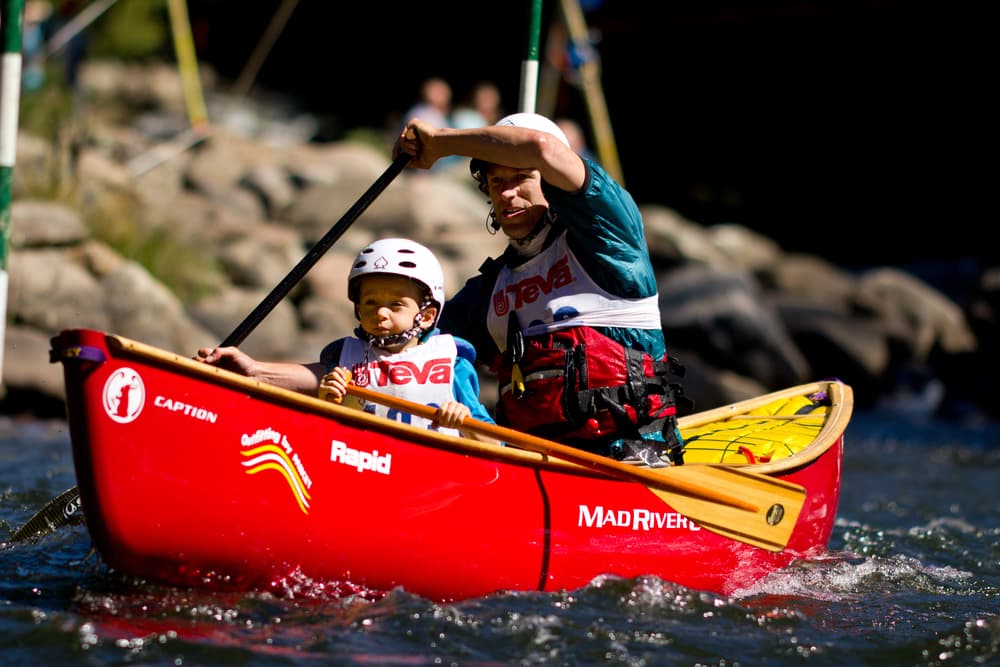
(742, 505)
(764, 512)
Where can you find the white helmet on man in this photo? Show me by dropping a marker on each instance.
(399, 257)
(532, 121)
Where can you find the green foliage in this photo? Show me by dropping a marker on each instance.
(131, 30)
(128, 30)
(188, 270)
(47, 109)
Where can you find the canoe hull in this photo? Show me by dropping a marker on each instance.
(195, 476)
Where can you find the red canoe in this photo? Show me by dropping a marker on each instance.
(193, 475)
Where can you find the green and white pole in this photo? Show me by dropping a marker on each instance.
(529, 66)
(11, 28)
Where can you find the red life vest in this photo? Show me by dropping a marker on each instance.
(585, 389)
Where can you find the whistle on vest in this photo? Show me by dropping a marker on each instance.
(517, 388)
(515, 347)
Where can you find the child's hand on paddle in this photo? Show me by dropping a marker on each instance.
(452, 414)
(333, 385)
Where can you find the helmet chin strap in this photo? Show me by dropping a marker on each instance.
(389, 340)
(396, 338)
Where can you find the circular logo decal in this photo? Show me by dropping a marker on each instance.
(124, 395)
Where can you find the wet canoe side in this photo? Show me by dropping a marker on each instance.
(205, 477)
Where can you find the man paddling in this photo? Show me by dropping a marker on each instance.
(568, 316)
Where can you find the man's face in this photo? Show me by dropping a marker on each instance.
(517, 198)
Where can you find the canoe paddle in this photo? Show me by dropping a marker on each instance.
(749, 507)
(63, 510)
(53, 515)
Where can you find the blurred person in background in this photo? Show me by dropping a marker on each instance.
(481, 107)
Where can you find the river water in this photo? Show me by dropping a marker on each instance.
(912, 577)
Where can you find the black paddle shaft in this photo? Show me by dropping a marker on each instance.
(282, 289)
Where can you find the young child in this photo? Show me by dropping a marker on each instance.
(397, 287)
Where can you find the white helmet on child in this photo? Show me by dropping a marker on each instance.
(399, 257)
(532, 121)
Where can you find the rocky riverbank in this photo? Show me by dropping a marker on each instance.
(244, 203)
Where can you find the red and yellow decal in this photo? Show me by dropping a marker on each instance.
(281, 458)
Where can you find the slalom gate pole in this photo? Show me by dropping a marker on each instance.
(11, 29)
(529, 66)
(187, 62)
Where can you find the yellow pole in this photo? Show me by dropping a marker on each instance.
(187, 63)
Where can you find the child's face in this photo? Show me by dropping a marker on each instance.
(389, 305)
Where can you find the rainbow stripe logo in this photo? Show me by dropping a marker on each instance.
(274, 457)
